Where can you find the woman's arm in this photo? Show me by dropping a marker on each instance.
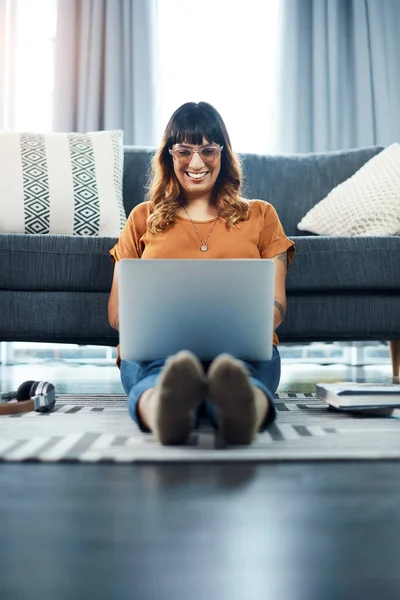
(113, 316)
(280, 288)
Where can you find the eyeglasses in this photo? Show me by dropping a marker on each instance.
(208, 153)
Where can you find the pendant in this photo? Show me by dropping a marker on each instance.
(204, 248)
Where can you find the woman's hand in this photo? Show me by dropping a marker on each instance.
(113, 316)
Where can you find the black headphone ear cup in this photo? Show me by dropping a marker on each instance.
(34, 387)
(24, 390)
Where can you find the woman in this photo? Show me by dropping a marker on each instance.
(194, 210)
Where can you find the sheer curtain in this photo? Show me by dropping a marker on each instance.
(105, 73)
(222, 52)
(340, 77)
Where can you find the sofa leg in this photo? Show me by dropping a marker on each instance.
(394, 348)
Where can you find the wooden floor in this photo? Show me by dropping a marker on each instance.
(304, 531)
(292, 532)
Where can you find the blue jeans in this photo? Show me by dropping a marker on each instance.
(137, 377)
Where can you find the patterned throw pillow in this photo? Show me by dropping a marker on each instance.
(368, 203)
(62, 183)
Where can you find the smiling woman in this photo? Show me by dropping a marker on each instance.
(197, 139)
(195, 210)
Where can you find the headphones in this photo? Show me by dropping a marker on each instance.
(31, 395)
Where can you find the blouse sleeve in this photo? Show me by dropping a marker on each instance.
(273, 240)
(128, 244)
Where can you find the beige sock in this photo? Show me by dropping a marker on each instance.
(181, 389)
(241, 407)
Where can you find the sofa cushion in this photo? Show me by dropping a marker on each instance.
(344, 264)
(368, 203)
(55, 263)
(61, 183)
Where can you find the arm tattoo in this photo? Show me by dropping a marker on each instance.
(280, 308)
(283, 258)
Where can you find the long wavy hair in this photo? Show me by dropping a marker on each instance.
(189, 124)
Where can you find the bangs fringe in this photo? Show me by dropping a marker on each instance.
(191, 128)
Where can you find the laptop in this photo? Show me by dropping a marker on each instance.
(207, 306)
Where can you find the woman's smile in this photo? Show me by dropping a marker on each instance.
(196, 176)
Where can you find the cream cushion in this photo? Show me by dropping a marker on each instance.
(368, 203)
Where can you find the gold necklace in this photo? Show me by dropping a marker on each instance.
(203, 246)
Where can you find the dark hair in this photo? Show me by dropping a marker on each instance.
(190, 123)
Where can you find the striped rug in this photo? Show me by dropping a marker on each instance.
(98, 428)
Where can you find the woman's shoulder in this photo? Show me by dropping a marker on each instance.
(140, 210)
(137, 219)
(259, 207)
(139, 214)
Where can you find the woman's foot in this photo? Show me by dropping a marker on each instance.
(241, 407)
(171, 407)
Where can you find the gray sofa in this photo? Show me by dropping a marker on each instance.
(55, 288)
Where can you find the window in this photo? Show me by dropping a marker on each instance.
(224, 53)
(29, 63)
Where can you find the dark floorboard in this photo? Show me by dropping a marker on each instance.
(309, 531)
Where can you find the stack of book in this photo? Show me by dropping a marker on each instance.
(353, 396)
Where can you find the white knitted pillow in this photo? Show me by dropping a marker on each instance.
(368, 203)
(62, 183)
